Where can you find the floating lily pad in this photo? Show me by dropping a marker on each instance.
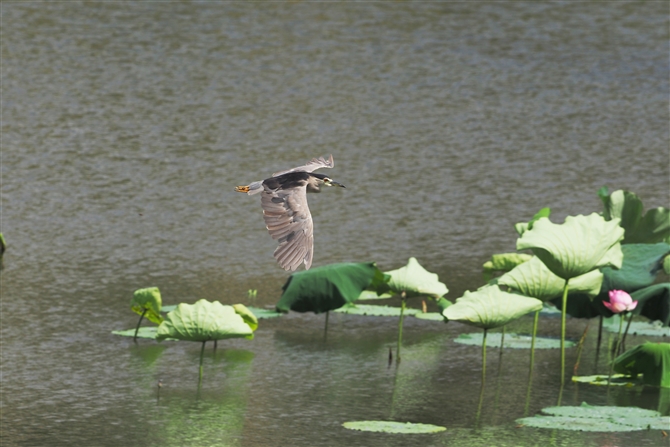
(512, 340)
(375, 311)
(393, 427)
(655, 329)
(143, 332)
(597, 418)
(617, 380)
(264, 313)
(436, 316)
(372, 295)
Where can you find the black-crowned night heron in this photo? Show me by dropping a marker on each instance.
(285, 210)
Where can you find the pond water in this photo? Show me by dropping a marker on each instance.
(126, 127)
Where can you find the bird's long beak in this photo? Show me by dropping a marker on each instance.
(337, 183)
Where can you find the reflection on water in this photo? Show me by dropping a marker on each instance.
(126, 126)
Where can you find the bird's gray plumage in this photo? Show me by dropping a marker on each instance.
(285, 210)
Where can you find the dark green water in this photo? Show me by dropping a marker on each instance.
(126, 126)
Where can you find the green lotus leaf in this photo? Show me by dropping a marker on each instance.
(666, 265)
(329, 287)
(490, 307)
(264, 313)
(148, 302)
(247, 315)
(415, 281)
(654, 302)
(597, 418)
(203, 321)
(142, 332)
(374, 311)
(503, 262)
(393, 427)
(512, 340)
(3, 244)
(435, 316)
(615, 380)
(641, 263)
(579, 245)
(372, 295)
(534, 279)
(168, 308)
(652, 360)
(653, 227)
(522, 227)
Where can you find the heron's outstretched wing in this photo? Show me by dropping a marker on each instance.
(289, 221)
(312, 165)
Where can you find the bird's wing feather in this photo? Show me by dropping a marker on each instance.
(312, 165)
(289, 221)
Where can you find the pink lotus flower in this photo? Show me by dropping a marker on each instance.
(620, 301)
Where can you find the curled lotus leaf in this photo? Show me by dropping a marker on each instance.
(204, 321)
(534, 279)
(652, 227)
(522, 227)
(247, 315)
(579, 245)
(148, 302)
(490, 307)
(414, 280)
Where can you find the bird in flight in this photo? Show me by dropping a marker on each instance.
(285, 210)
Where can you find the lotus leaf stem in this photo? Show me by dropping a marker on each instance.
(502, 341)
(616, 351)
(563, 314)
(137, 328)
(623, 341)
(202, 355)
(532, 346)
(403, 297)
(580, 348)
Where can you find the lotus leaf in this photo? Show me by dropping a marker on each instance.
(579, 245)
(435, 316)
(522, 227)
(642, 328)
(666, 264)
(148, 302)
(534, 279)
(490, 307)
(652, 360)
(372, 295)
(512, 340)
(375, 311)
(414, 281)
(3, 244)
(393, 427)
(329, 287)
(169, 308)
(641, 263)
(597, 418)
(247, 315)
(653, 227)
(503, 262)
(264, 313)
(654, 302)
(615, 380)
(204, 321)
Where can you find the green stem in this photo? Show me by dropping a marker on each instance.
(402, 315)
(625, 333)
(532, 346)
(563, 313)
(502, 341)
(138, 325)
(202, 355)
(616, 350)
(481, 392)
(580, 348)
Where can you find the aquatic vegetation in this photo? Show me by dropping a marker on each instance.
(652, 360)
(652, 227)
(393, 427)
(576, 247)
(511, 340)
(147, 304)
(597, 418)
(411, 281)
(503, 262)
(205, 321)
